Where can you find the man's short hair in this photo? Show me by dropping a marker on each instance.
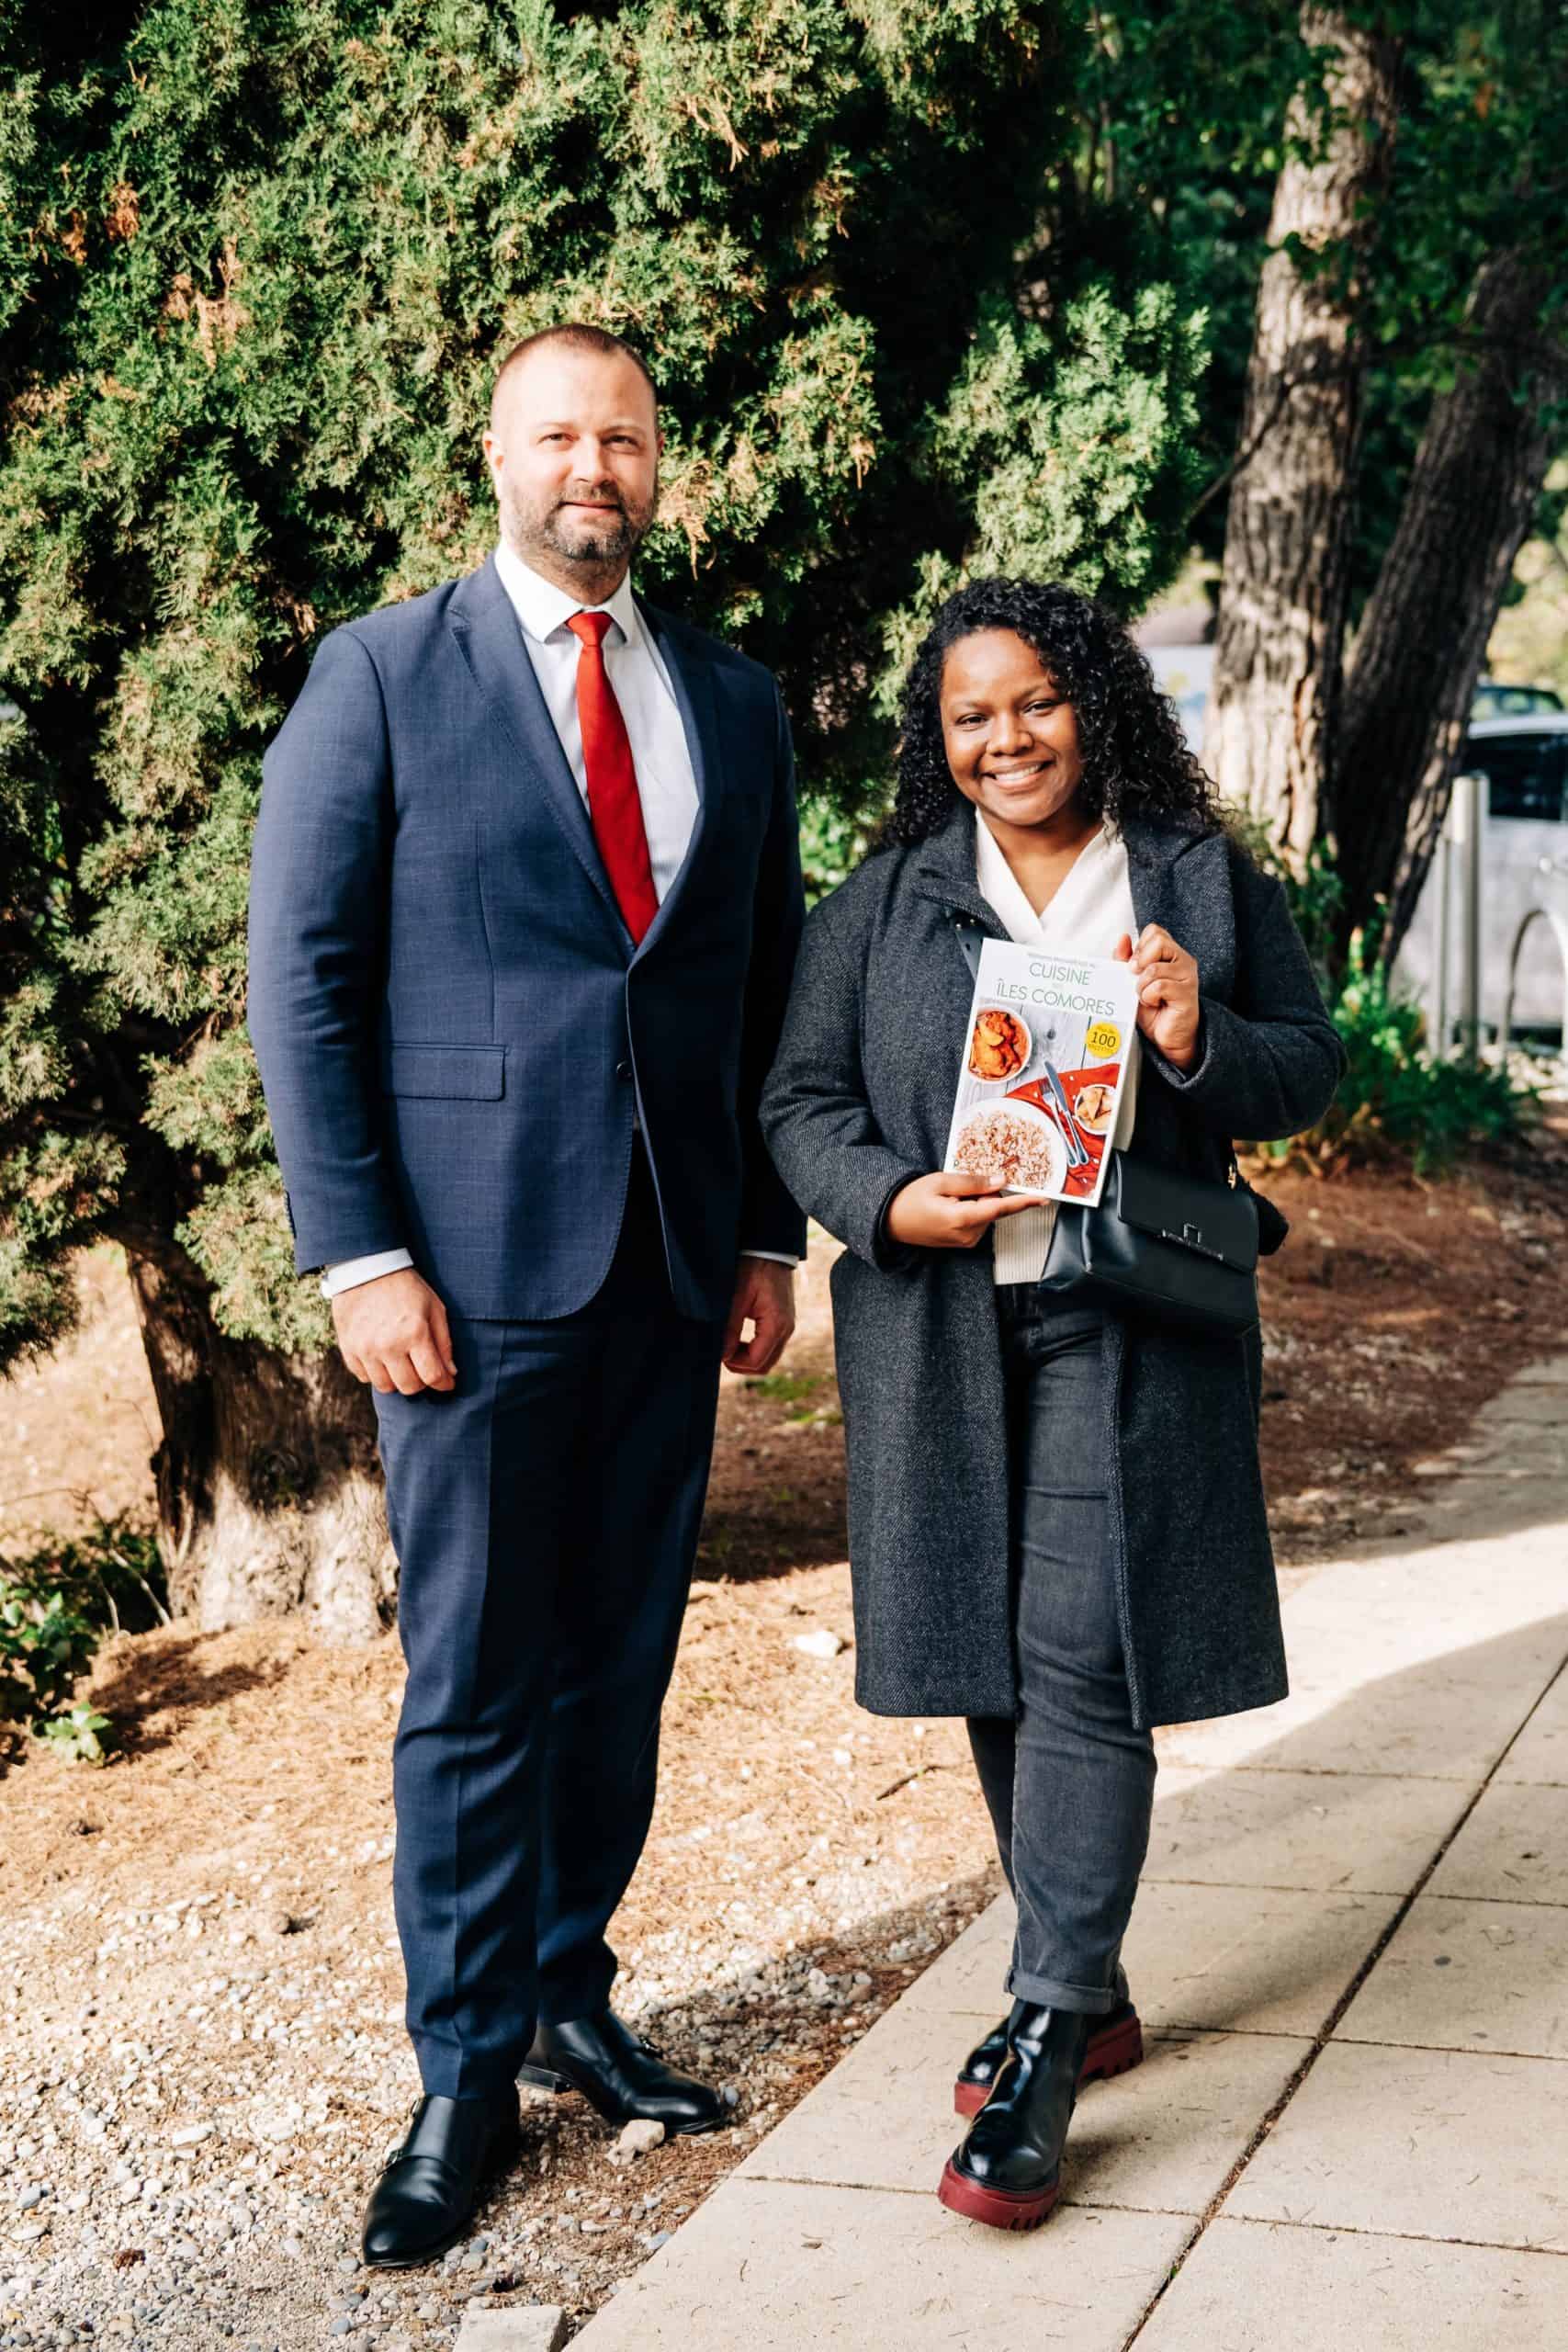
(576, 337)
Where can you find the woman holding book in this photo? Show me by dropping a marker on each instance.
(1056, 1519)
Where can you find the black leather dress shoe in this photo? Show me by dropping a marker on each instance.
(424, 2199)
(621, 2075)
(1115, 2043)
(1009, 2171)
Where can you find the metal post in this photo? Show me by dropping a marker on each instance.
(1468, 830)
(1442, 1003)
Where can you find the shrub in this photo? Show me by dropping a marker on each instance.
(55, 1608)
(1396, 1100)
(832, 844)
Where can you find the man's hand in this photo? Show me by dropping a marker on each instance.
(949, 1211)
(764, 1296)
(1168, 1007)
(393, 1333)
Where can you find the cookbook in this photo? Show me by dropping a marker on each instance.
(1044, 1061)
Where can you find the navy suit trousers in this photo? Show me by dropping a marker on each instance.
(544, 1516)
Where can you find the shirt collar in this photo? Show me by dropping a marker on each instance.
(1006, 894)
(543, 608)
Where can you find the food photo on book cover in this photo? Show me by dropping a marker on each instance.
(1044, 1063)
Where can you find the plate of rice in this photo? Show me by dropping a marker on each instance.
(1016, 1148)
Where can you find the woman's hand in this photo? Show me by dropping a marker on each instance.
(1168, 1010)
(949, 1212)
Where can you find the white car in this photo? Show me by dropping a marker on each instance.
(1524, 866)
(1524, 851)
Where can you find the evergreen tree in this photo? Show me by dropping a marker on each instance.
(258, 261)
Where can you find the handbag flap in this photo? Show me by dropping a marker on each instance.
(1215, 1220)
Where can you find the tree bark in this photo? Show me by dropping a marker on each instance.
(269, 1493)
(1278, 645)
(1470, 500)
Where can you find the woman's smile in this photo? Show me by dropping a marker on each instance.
(1006, 777)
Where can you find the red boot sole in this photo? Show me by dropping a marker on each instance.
(995, 2207)
(1116, 2052)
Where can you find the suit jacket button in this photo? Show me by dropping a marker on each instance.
(623, 1069)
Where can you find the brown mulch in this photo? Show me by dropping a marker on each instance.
(806, 1861)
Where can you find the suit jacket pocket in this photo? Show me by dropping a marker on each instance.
(457, 1073)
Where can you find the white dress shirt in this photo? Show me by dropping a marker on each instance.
(666, 785)
(1091, 908)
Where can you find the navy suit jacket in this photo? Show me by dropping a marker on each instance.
(452, 1022)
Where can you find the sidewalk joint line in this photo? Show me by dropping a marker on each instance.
(1404, 2237)
(1338, 1771)
(1503, 1902)
(1273, 1886)
(898, 2189)
(1451, 2049)
(1322, 2040)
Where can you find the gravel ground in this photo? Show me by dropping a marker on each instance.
(204, 2064)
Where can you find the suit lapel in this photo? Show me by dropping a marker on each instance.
(690, 681)
(489, 638)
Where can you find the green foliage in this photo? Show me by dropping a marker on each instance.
(1070, 442)
(1396, 1100)
(55, 1607)
(833, 841)
(45, 1645)
(1182, 108)
(786, 1387)
(79, 1733)
(258, 261)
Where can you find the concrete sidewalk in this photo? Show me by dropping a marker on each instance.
(1351, 1955)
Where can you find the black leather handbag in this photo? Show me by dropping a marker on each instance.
(1178, 1249)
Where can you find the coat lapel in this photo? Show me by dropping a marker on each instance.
(1178, 879)
(1182, 882)
(491, 640)
(943, 870)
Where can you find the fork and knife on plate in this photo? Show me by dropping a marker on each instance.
(1077, 1150)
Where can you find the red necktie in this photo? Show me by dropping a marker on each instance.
(615, 806)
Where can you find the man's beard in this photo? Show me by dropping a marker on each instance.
(529, 528)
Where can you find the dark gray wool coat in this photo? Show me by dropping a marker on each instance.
(859, 1100)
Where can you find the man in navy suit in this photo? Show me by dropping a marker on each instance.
(525, 904)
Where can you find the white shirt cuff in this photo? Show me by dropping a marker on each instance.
(774, 1257)
(352, 1271)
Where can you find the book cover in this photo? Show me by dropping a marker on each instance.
(1045, 1058)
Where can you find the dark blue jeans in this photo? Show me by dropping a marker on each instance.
(546, 1517)
(1068, 1781)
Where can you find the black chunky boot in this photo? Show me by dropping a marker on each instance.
(1007, 2172)
(1115, 2043)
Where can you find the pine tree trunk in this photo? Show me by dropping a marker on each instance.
(1471, 499)
(269, 1492)
(1279, 645)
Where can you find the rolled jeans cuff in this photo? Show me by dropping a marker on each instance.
(1083, 2000)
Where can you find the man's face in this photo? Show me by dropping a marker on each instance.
(573, 452)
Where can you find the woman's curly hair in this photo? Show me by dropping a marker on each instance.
(1135, 759)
